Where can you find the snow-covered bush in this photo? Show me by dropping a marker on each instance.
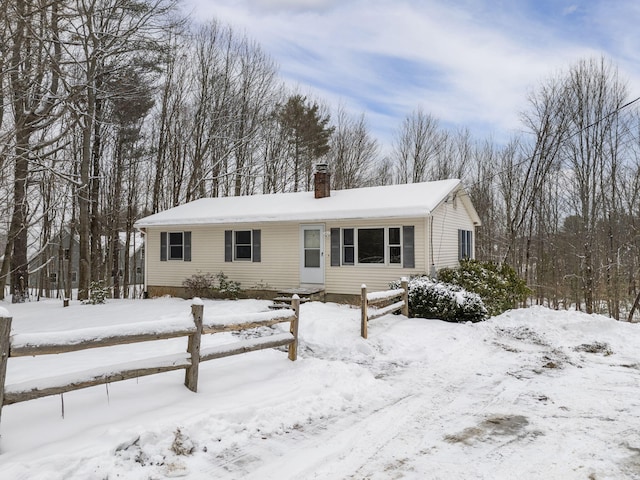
(499, 286)
(431, 299)
(228, 288)
(98, 292)
(208, 285)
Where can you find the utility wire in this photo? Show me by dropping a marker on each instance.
(564, 140)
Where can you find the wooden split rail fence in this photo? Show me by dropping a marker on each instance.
(396, 300)
(33, 344)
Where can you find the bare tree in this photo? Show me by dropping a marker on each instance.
(34, 82)
(417, 145)
(109, 33)
(595, 94)
(455, 157)
(353, 151)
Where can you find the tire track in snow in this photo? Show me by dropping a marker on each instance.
(383, 439)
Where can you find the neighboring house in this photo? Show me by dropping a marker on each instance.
(54, 269)
(136, 257)
(330, 241)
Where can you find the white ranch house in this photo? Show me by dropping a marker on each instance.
(328, 241)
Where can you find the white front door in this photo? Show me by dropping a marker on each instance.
(312, 254)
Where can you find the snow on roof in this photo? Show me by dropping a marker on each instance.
(389, 201)
(136, 241)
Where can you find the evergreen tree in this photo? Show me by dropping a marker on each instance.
(308, 134)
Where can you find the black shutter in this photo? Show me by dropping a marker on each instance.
(257, 245)
(335, 247)
(460, 244)
(186, 238)
(228, 245)
(408, 248)
(163, 246)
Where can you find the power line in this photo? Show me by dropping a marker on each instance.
(565, 140)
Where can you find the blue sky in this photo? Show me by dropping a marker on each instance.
(470, 63)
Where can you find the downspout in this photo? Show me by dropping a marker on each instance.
(432, 271)
(145, 292)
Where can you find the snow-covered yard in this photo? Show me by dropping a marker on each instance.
(530, 394)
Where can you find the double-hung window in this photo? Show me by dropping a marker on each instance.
(242, 245)
(394, 245)
(348, 246)
(465, 244)
(175, 246)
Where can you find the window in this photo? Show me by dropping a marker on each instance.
(74, 277)
(67, 254)
(242, 245)
(175, 246)
(465, 244)
(348, 247)
(371, 245)
(311, 248)
(53, 277)
(395, 249)
(383, 245)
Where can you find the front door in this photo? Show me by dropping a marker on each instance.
(312, 254)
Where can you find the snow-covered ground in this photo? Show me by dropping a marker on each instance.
(531, 394)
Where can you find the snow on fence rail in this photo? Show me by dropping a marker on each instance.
(33, 344)
(383, 297)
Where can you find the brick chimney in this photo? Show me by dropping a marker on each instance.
(321, 180)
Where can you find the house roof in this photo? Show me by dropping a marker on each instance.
(389, 201)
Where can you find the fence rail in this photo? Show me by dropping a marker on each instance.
(34, 344)
(382, 297)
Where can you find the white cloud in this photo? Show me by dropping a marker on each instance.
(469, 65)
(570, 9)
(293, 5)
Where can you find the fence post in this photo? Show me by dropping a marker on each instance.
(5, 345)
(405, 296)
(193, 347)
(363, 311)
(293, 346)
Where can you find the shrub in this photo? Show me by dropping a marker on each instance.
(498, 285)
(200, 285)
(228, 288)
(207, 285)
(451, 303)
(98, 292)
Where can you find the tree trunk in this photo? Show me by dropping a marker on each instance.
(18, 228)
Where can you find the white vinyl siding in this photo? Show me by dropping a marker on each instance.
(447, 220)
(277, 269)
